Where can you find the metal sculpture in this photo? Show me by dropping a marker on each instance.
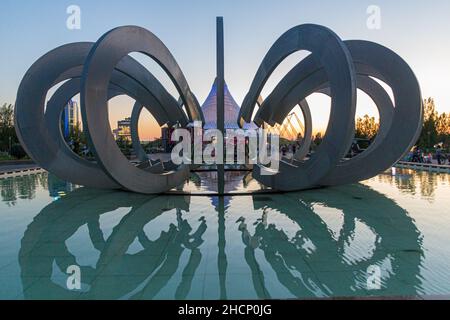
(128, 76)
(338, 68)
(99, 71)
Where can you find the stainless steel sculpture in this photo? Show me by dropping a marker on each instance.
(103, 70)
(339, 67)
(44, 142)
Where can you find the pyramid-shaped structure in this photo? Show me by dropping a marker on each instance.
(231, 109)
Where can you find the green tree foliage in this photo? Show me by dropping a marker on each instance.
(435, 130)
(318, 138)
(8, 136)
(153, 146)
(77, 140)
(17, 151)
(316, 141)
(124, 145)
(429, 136)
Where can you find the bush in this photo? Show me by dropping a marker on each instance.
(18, 152)
(5, 156)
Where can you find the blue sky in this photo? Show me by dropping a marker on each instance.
(418, 31)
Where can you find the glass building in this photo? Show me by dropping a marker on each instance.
(71, 117)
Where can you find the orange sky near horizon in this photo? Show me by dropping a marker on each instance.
(120, 108)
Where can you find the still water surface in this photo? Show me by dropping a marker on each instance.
(318, 243)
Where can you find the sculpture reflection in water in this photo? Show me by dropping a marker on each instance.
(305, 258)
(321, 257)
(45, 242)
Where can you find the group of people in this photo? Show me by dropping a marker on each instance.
(288, 149)
(417, 155)
(420, 156)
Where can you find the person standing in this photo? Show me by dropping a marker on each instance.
(439, 155)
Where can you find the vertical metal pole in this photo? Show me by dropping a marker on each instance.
(222, 262)
(220, 100)
(222, 258)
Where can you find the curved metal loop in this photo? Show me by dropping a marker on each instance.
(103, 70)
(328, 51)
(399, 126)
(65, 63)
(72, 167)
(104, 56)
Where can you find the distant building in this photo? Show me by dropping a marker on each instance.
(123, 131)
(231, 110)
(71, 117)
(209, 109)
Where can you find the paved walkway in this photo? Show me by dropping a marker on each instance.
(424, 166)
(16, 167)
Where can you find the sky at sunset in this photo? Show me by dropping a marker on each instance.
(418, 31)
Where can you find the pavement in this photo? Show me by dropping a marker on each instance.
(16, 167)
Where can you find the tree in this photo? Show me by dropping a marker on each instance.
(429, 136)
(8, 136)
(17, 151)
(443, 124)
(443, 129)
(124, 145)
(7, 116)
(318, 139)
(77, 140)
(366, 127)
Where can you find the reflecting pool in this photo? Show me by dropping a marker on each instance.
(320, 243)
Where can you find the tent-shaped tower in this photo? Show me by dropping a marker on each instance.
(231, 110)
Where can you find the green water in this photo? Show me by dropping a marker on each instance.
(317, 243)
